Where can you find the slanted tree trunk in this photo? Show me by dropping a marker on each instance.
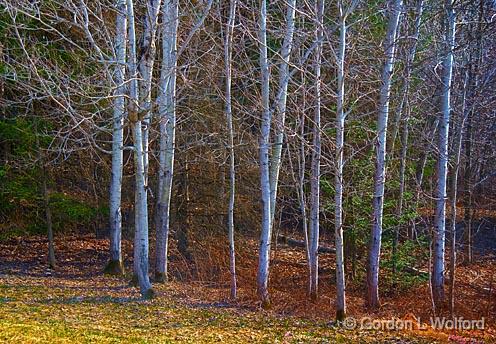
(442, 169)
(167, 115)
(141, 206)
(282, 94)
(266, 232)
(380, 169)
(116, 265)
(316, 155)
(229, 119)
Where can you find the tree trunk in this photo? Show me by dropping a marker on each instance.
(316, 155)
(232, 171)
(116, 265)
(338, 198)
(379, 179)
(282, 94)
(440, 216)
(457, 149)
(266, 232)
(404, 108)
(146, 59)
(141, 207)
(167, 114)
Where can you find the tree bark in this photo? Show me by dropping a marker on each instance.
(457, 150)
(338, 198)
(232, 167)
(167, 115)
(440, 216)
(116, 265)
(266, 232)
(282, 94)
(380, 170)
(404, 110)
(316, 155)
(146, 61)
(141, 206)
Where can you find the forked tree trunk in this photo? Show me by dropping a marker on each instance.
(232, 171)
(442, 169)
(316, 155)
(167, 115)
(266, 232)
(116, 265)
(380, 168)
(141, 207)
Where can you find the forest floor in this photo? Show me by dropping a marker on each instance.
(77, 303)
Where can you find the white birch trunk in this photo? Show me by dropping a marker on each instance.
(115, 265)
(404, 105)
(266, 231)
(442, 168)
(454, 193)
(380, 170)
(316, 155)
(167, 114)
(141, 207)
(146, 60)
(408, 71)
(232, 171)
(282, 94)
(338, 198)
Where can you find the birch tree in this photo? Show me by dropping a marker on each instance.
(116, 265)
(437, 276)
(404, 111)
(316, 155)
(229, 119)
(141, 206)
(380, 148)
(338, 198)
(266, 232)
(281, 100)
(457, 151)
(167, 116)
(146, 61)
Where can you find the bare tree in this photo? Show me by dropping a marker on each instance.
(116, 265)
(266, 232)
(338, 198)
(437, 277)
(146, 61)
(229, 118)
(281, 100)
(380, 170)
(404, 111)
(141, 244)
(167, 116)
(316, 156)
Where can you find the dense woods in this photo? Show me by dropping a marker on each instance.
(359, 134)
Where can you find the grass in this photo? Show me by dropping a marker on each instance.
(77, 311)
